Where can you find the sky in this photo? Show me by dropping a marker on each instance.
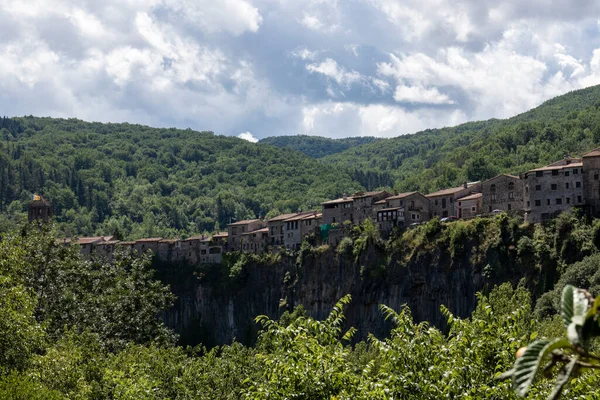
(258, 68)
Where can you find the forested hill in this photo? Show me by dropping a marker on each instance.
(317, 146)
(438, 158)
(135, 181)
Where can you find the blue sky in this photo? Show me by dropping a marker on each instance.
(277, 67)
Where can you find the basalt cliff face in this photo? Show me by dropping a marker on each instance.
(211, 309)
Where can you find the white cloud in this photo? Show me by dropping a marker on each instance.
(420, 94)
(332, 70)
(304, 54)
(248, 136)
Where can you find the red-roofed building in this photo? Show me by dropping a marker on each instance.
(236, 231)
(591, 180)
(469, 206)
(441, 203)
(401, 210)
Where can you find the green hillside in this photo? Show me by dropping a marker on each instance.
(138, 181)
(438, 158)
(317, 146)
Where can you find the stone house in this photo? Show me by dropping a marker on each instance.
(299, 226)
(363, 205)
(550, 190)
(338, 210)
(88, 244)
(591, 181)
(503, 192)
(169, 250)
(441, 203)
(276, 227)
(236, 231)
(106, 249)
(401, 210)
(255, 241)
(141, 246)
(469, 206)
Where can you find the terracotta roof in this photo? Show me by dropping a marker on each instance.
(398, 196)
(359, 195)
(313, 216)
(220, 235)
(244, 222)
(282, 217)
(557, 167)
(593, 153)
(197, 237)
(169, 240)
(91, 240)
(472, 196)
(302, 215)
(129, 243)
(500, 176)
(348, 199)
(110, 242)
(446, 192)
(565, 161)
(148, 240)
(262, 230)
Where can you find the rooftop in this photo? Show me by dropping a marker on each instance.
(557, 167)
(282, 217)
(501, 175)
(396, 197)
(359, 195)
(472, 196)
(303, 215)
(593, 153)
(391, 209)
(347, 199)
(446, 192)
(148, 240)
(244, 222)
(220, 235)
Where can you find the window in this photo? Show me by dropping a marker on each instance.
(511, 185)
(595, 177)
(436, 202)
(547, 202)
(493, 196)
(490, 209)
(579, 199)
(553, 186)
(567, 185)
(555, 172)
(414, 217)
(526, 189)
(566, 173)
(575, 171)
(493, 188)
(459, 203)
(539, 174)
(568, 200)
(402, 203)
(510, 207)
(472, 209)
(538, 187)
(511, 195)
(528, 204)
(558, 201)
(538, 203)
(577, 185)
(444, 203)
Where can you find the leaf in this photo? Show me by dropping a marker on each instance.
(573, 303)
(562, 379)
(527, 365)
(504, 375)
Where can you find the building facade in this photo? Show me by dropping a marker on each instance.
(363, 204)
(503, 192)
(591, 181)
(550, 190)
(237, 230)
(338, 210)
(441, 203)
(276, 227)
(402, 210)
(469, 206)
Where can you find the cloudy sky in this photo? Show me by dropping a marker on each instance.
(260, 68)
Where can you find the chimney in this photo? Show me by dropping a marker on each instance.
(465, 185)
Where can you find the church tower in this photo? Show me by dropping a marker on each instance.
(39, 210)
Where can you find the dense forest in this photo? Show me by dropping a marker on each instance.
(72, 328)
(133, 181)
(317, 146)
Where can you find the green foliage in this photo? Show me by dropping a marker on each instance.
(316, 146)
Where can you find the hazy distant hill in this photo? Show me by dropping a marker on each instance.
(438, 158)
(317, 146)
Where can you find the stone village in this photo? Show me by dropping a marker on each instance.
(537, 195)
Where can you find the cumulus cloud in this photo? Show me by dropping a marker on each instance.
(328, 67)
(248, 136)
